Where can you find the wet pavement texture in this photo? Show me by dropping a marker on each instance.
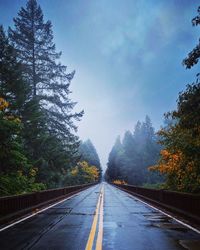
(130, 224)
(64, 226)
(127, 224)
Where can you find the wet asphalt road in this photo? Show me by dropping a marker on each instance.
(127, 224)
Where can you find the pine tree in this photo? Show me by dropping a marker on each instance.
(33, 41)
(48, 119)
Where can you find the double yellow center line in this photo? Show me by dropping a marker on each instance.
(98, 217)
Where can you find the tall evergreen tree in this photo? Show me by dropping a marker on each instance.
(49, 129)
(33, 41)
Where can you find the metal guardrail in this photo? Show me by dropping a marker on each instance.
(17, 203)
(183, 203)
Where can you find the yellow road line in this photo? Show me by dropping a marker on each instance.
(100, 232)
(94, 226)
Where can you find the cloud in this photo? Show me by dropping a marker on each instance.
(127, 55)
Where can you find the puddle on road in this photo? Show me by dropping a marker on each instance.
(171, 226)
(158, 218)
(54, 211)
(190, 244)
(91, 214)
(164, 222)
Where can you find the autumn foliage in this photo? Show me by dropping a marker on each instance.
(169, 162)
(3, 104)
(120, 182)
(180, 158)
(83, 172)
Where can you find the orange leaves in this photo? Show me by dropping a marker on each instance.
(168, 163)
(3, 104)
(182, 174)
(120, 182)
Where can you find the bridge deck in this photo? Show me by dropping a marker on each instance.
(101, 217)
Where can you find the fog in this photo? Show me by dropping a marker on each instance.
(127, 56)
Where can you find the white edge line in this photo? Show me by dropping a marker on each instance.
(42, 210)
(181, 222)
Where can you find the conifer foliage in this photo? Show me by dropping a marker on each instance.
(129, 160)
(49, 82)
(38, 132)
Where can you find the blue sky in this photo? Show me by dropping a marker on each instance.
(127, 55)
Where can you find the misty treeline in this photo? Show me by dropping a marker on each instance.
(179, 160)
(39, 147)
(130, 158)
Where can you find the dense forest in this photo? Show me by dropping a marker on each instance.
(129, 160)
(39, 147)
(179, 161)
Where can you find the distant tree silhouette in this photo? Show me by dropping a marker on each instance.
(129, 160)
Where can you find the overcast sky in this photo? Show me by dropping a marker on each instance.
(127, 55)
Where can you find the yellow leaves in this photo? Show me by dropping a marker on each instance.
(90, 173)
(33, 172)
(17, 120)
(3, 104)
(93, 171)
(120, 182)
(74, 171)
